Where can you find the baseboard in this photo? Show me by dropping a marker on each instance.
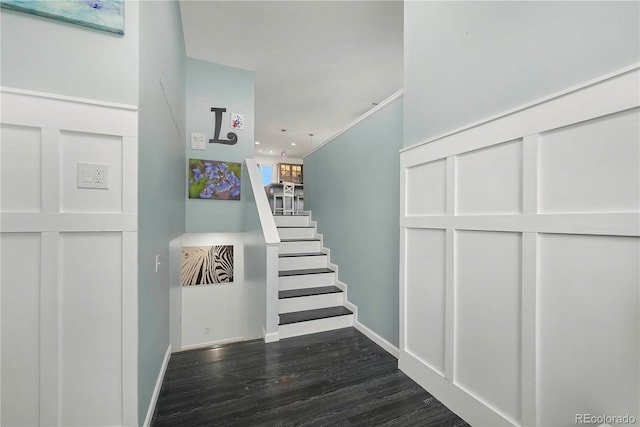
(271, 336)
(386, 345)
(390, 348)
(156, 390)
(210, 343)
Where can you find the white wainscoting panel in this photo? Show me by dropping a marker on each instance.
(82, 147)
(592, 165)
(520, 260)
(20, 329)
(487, 318)
(426, 182)
(69, 257)
(21, 156)
(91, 327)
(425, 298)
(489, 180)
(589, 326)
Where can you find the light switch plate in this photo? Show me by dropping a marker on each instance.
(198, 141)
(91, 175)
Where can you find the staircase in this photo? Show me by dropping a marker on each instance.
(308, 299)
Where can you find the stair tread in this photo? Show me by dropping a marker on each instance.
(295, 226)
(307, 292)
(301, 254)
(303, 239)
(298, 214)
(300, 272)
(319, 313)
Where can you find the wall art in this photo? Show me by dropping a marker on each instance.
(206, 265)
(237, 121)
(214, 180)
(105, 15)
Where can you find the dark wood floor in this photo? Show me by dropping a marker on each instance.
(337, 378)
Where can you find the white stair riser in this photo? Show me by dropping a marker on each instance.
(289, 305)
(313, 326)
(296, 233)
(302, 262)
(288, 220)
(306, 281)
(300, 247)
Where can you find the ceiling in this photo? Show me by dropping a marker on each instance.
(319, 65)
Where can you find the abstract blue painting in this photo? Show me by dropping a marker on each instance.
(105, 15)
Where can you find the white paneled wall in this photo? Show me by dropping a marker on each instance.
(69, 263)
(520, 253)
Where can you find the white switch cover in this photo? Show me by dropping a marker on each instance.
(91, 175)
(198, 141)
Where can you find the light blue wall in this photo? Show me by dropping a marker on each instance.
(489, 57)
(161, 196)
(214, 85)
(352, 187)
(52, 56)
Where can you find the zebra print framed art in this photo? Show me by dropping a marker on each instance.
(207, 265)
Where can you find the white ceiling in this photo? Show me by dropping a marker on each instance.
(318, 65)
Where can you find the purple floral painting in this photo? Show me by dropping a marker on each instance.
(214, 180)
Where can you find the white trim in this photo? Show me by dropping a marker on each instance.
(523, 107)
(271, 337)
(269, 230)
(372, 111)
(210, 343)
(156, 390)
(386, 345)
(607, 224)
(35, 222)
(55, 96)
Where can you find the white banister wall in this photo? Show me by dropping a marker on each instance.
(519, 260)
(261, 256)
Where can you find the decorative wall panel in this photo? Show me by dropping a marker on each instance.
(21, 158)
(489, 180)
(425, 298)
(20, 329)
(427, 187)
(589, 326)
(592, 166)
(526, 269)
(69, 262)
(487, 317)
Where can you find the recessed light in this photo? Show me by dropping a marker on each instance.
(257, 142)
(293, 143)
(271, 151)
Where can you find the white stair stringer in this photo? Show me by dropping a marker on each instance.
(311, 297)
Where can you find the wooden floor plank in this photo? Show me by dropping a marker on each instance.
(336, 378)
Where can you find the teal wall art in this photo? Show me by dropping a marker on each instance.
(105, 15)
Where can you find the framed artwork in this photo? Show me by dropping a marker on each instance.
(214, 180)
(206, 265)
(105, 15)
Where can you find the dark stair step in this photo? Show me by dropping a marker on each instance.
(307, 292)
(301, 254)
(286, 273)
(308, 239)
(295, 226)
(319, 313)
